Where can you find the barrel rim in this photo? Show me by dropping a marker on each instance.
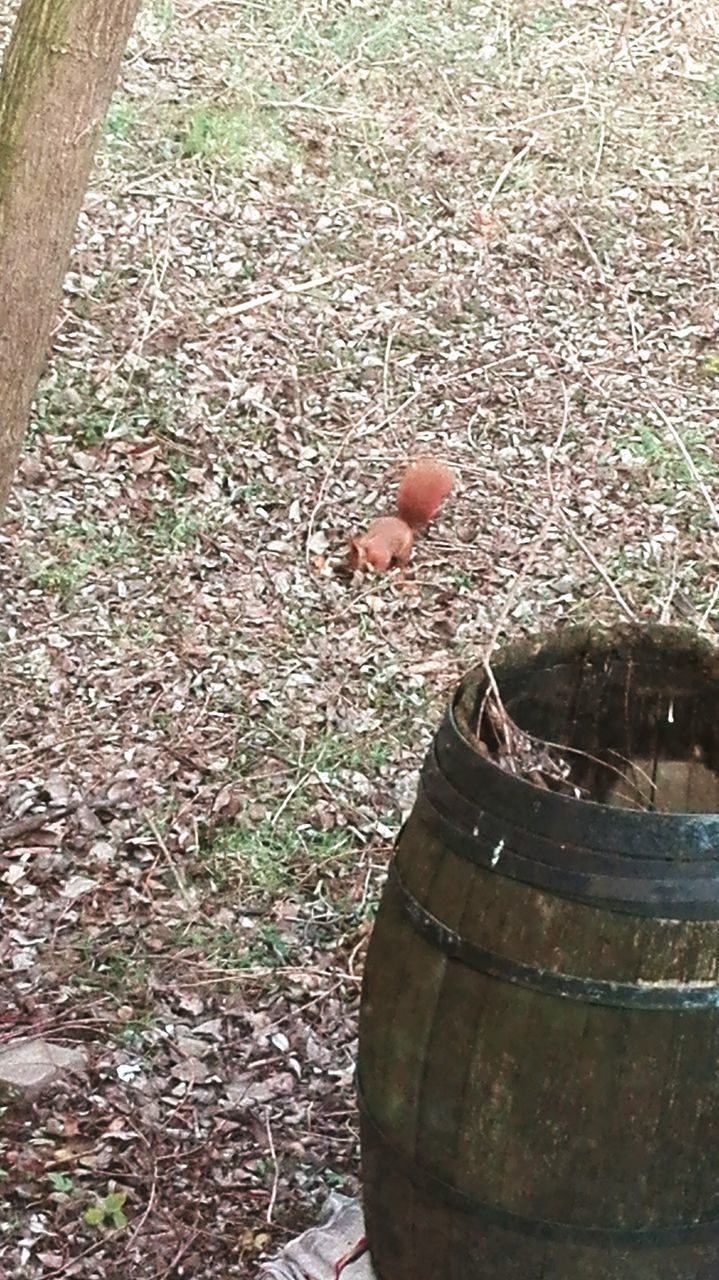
(623, 640)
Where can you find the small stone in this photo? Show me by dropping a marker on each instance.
(32, 1065)
(77, 886)
(192, 1046)
(190, 1071)
(31, 469)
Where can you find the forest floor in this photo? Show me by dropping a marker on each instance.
(318, 239)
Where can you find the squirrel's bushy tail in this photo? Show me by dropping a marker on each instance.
(423, 487)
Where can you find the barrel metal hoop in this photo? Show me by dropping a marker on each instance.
(627, 834)
(610, 1238)
(684, 996)
(675, 893)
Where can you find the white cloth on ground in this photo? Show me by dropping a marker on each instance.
(317, 1253)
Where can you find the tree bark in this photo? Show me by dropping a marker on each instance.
(57, 77)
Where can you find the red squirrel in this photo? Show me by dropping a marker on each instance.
(389, 539)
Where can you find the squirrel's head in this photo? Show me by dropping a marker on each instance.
(358, 554)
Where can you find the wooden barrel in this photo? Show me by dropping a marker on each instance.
(538, 1068)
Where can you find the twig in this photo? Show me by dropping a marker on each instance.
(492, 688)
(157, 278)
(71, 1263)
(179, 881)
(604, 764)
(354, 953)
(632, 322)
(667, 605)
(305, 286)
(54, 1026)
(385, 369)
(621, 33)
(300, 782)
(184, 1246)
(33, 822)
(508, 37)
(276, 295)
(626, 609)
(513, 160)
(275, 1165)
(300, 104)
(204, 4)
(297, 1010)
(511, 739)
(582, 235)
(707, 612)
(256, 973)
(711, 504)
(148, 1209)
(533, 119)
(600, 149)
(536, 545)
(568, 523)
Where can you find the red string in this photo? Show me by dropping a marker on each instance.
(352, 1256)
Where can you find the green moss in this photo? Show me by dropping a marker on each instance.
(38, 34)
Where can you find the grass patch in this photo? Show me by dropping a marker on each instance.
(710, 88)
(241, 137)
(335, 753)
(163, 12)
(71, 410)
(544, 23)
(286, 842)
(221, 945)
(174, 527)
(76, 550)
(657, 450)
(113, 969)
(387, 33)
(267, 856)
(121, 119)
(61, 578)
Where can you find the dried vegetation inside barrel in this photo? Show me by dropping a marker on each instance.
(632, 725)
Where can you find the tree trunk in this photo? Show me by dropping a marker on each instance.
(57, 78)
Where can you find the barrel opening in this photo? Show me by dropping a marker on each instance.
(630, 722)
